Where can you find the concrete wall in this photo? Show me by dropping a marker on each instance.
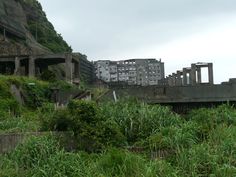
(179, 94)
(9, 142)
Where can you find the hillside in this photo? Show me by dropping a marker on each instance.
(27, 29)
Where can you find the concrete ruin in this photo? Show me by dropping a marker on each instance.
(190, 75)
(182, 90)
(31, 65)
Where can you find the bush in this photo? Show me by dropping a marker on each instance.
(83, 118)
(48, 75)
(58, 120)
(84, 112)
(36, 95)
(92, 131)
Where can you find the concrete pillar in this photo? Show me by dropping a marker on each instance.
(31, 66)
(193, 74)
(170, 80)
(210, 73)
(178, 78)
(17, 66)
(173, 79)
(76, 69)
(185, 81)
(199, 75)
(68, 67)
(167, 80)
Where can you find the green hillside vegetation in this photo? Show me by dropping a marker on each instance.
(36, 93)
(42, 30)
(124, 139)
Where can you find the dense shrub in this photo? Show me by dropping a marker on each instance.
(36, 95)
(9, 107)
(48, 75)
(85, 121)
(93, 131)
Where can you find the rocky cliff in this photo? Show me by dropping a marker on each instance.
(24, 29)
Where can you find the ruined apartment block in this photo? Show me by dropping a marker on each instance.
(133, 71)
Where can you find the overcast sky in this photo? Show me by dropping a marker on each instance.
(180, 32)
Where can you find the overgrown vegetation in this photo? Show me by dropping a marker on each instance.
(127, 138)
(15, 117)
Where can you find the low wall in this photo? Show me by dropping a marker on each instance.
(178, 94)
(9, 142)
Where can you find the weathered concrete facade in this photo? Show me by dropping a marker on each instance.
(200, 93)
(132, 72)
(32, 65)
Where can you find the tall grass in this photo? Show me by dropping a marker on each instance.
(202, 143)
(41, 156)
(138, 120)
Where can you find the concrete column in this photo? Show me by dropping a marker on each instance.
(178, 79)
(210, 73)
(76, 69)
(193, 74)
(68, 67)
(173, 79)
(199, 75)
(17, 66)
(170, 80)
(31, 66)
(185, 81)
(167, 80)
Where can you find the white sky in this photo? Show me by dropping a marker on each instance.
(178, 31)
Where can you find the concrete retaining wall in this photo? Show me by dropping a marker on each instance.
(9, 142)
(179, 94)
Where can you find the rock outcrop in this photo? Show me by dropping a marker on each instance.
(20, 22)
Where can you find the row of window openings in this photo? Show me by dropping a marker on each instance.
(151, 66)
(126, 62)
(128, 69)
(127, 78)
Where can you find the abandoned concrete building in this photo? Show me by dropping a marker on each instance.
(76, 66)
(133, 71)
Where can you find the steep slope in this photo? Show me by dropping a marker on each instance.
(41, 28)
(27, 29)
